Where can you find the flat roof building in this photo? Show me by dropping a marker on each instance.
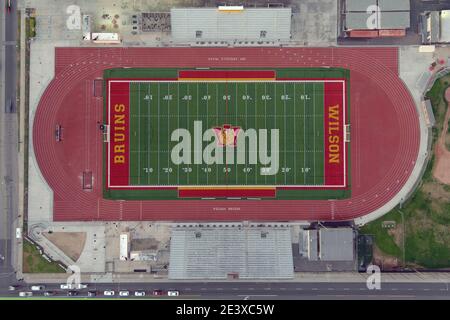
(393, 16)
(218, 252)
(394, 5)
(435, 27)
(359, 5)
(212, 24)
(337, 244)
(326, 249)
(383, 20)
(445, 26)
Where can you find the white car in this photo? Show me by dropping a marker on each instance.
(139, 293)
(71, 286)
(173, 293)
(25, 294)
(124, 293)
(37, 288)
(109, 292)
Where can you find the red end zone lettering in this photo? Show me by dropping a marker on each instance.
(334, 133)
(119, 103)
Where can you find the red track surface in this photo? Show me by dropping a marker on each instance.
(384, 132)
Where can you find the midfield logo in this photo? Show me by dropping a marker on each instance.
(227, 135)
(227, 144)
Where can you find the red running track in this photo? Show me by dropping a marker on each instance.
(384, 133)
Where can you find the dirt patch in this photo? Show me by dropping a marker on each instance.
(384, 261)
(71, 243)
(442, 167)
(436, 191)
(144, 244)
(397, 234)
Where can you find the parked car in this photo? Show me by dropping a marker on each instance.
(72, 293)
(37, 288)
(139, 293)
(109, 293)
(173, 293)
(25, 294)
(68, 286)
(158, 292)
(92, 293)
(49, 293)
(13, 288)
(124, 293)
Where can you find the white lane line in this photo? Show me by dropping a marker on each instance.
(168, 131)
(178, 110)
(158, 132)
(314, 134)
(148, 136)
(285, 129)
(207, 117)
(197, 168)
(295, 140)
(304, 134)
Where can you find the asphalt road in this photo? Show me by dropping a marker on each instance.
(8, 141)
(264, 290)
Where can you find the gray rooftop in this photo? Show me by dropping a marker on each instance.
(394, 20)
(394, 5)
(435, 17)
(384, 20)
(445, 26)
(312, 245)
(357, 20)
(203, 24)
(213, 253)
(336, 244)
(359, 5)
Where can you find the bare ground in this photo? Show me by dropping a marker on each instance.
(386, 262)
(397, 234)
(71, 243)
(441, 169)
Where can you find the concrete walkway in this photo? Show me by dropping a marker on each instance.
(350, 277)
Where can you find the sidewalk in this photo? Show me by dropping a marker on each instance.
(344, 277)
(18, 248)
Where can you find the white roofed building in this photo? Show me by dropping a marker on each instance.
(214, 24)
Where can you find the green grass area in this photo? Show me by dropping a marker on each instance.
(33, 262)
(159, 108)
(382, 238)
(426, 214)
(30, 30)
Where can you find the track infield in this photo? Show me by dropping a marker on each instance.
(226, 134)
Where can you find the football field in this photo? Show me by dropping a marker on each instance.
(224, 133)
